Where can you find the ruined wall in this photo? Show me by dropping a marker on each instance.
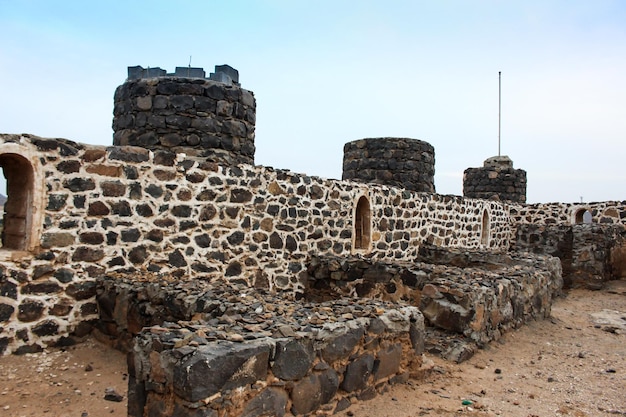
(128, 210)
(590, 253)
(249, 352)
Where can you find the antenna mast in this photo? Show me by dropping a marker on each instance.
(499, 107)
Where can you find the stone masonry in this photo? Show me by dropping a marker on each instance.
(495, 180)
(200, 117)
(398, 162)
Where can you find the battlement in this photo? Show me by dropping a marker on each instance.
(223, 73)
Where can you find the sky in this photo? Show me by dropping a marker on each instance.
(327, 72)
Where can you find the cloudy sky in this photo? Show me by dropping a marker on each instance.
(327, 72)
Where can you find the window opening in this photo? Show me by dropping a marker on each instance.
(16, 221)
(362, 224)
(583, 216)
(484, 232)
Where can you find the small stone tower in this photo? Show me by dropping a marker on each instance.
(399, 162)
(496, 180)
(185, 112)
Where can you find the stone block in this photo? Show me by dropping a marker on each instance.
(358, 373)
(211, 369)
(293, 359)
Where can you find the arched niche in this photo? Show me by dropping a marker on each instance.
(362, 233)
(485, 229)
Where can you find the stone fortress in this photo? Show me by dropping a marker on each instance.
(246, 290)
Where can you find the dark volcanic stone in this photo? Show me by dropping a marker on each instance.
(138, 255)
(388, 361)
(64, 275)
(341, 346)
(91, 238)
(233, 269)
(98, 208)
(213, 369)
(293, 359)
(81, 290)
(270, 402)
(329, 383)
(56, 201)
(306, 395)
(79, 184)
(358, 373)
(177, 259)
(6, 311)
(46, 328)
(8, 289)
(87, 254)
(47, 287)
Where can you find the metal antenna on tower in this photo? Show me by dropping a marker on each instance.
(499, 107)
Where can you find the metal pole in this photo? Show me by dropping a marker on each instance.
(499, 107)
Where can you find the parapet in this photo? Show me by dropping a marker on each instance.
(223, 73)
(184, 112)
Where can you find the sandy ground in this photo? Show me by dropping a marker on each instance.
(573, 364)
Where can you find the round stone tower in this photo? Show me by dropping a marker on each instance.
(399, 162)
(185, 112)
(496, 180)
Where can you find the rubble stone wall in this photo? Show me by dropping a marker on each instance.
(605, 212)
(129, 210)
(478, 294)
(590, 253)
(247, 352)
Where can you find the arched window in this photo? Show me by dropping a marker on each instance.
(23, 209)
(362, 224)
(485, 229)
(583, 216)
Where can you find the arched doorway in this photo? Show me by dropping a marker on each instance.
(17, 218)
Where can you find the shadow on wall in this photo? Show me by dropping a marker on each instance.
(618, 261)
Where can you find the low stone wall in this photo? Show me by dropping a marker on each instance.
(477, 294)
(590, 254)
(247, 352)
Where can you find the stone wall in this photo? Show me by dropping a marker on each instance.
(474, 293)
(199, 117)
(590, 254)
(247, 352)
(496, 180)
(398, 162)
(605, 212)
(157, 214)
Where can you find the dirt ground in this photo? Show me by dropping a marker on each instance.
(573, 364)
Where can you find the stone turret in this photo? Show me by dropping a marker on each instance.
(400, 162)
(496, 180)
(211, 118)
